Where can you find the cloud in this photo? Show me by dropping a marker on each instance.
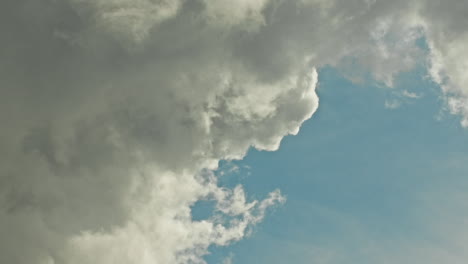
(410, 95)
(394, 104)
(401, 98)
(228, 259)
(445, 26)
(129, 20)
(115, 113)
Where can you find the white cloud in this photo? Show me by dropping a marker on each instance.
(393, 104)
(129, 20)
(114, 113)
(411, 95)
(445, 27)
(108, 142)
(228, 259)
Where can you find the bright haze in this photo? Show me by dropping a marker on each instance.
(115, 113)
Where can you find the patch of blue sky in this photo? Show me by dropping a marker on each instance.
(364, 182)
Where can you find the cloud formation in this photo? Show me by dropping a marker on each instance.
(115, 113)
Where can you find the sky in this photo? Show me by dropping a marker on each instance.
(365, 183)
(250, 131)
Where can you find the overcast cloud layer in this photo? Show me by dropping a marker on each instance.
(115, 113)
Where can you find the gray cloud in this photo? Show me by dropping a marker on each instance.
(114, 112)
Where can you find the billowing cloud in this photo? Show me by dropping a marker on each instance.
(115, 113)
(445, 26)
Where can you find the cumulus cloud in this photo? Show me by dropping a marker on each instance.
(128, 19)
(115, 113)
(446, 33)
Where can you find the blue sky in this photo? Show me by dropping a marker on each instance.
(363, 182)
